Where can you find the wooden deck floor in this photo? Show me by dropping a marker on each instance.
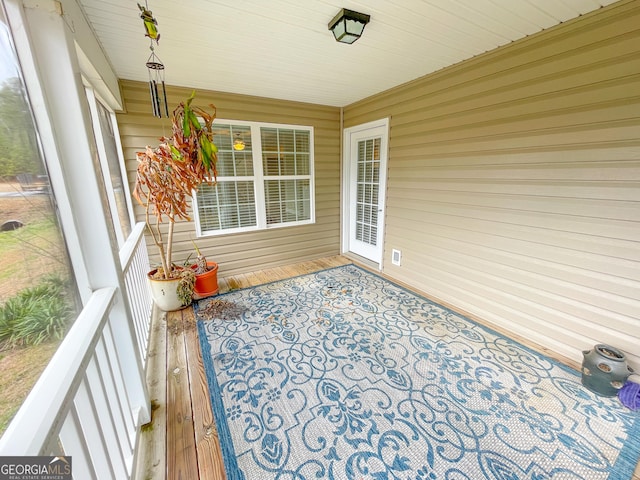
(181, 442)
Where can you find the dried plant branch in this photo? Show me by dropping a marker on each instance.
(167, 175)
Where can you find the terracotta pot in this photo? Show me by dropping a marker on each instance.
(164, 292)
(207, 283)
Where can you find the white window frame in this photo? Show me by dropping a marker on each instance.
(259, 178)
(93, 98)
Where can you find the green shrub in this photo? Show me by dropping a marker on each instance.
(37, 314)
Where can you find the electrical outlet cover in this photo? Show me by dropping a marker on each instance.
(396, 257)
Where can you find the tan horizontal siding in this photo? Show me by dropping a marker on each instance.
(513, 185)
(256, 250)
(604, 37)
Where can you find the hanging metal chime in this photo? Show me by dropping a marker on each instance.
(154, 65)
(156, 86)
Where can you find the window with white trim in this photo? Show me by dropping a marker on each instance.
(265, 179)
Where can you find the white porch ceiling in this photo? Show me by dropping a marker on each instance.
(283, 49)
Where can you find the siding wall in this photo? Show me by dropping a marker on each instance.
(514, 183)
(249, 251)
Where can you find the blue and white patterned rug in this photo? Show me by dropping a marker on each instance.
(343, 375)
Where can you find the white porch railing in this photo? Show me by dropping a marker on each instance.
(84, 403)
(134, 260)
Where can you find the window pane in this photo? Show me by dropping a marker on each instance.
(303, 141)
(302, 164)
(367, 190)
(271, 164)
(285, 151)
(38, 301)
(233, 162)
(288, 164)
(269, 138)
(285, 140)
(115, 173)
(227, 205)
(287, 201)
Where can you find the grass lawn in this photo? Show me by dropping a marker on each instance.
(20, 368)
(30, 252)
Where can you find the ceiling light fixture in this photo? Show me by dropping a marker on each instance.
(347, 26)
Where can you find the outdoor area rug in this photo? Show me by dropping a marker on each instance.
(343, 375)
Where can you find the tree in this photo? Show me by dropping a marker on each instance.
(18, 142)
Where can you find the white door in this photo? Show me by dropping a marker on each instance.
(365, 171)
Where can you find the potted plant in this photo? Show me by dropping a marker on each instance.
(206, 272)
(165, 178)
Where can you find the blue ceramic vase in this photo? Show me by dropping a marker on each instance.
(604, 370)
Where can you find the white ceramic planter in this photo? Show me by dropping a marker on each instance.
(164, 293)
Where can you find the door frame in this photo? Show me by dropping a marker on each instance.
(346, 182)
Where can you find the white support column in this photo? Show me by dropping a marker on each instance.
(45, 43)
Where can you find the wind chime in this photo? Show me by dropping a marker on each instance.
(154, 66)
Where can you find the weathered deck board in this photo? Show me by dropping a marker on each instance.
(181, 446)
(152, 446)
(223, 284)
(210, 463)
(182, 419)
